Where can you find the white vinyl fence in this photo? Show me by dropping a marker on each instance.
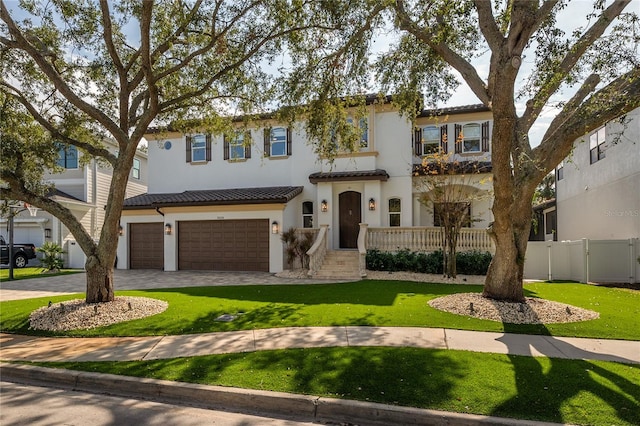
(584, 260)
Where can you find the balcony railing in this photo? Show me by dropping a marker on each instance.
(425, 239)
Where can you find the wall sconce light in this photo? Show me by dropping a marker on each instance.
(372, 204)
(47, 232)
(120, 230)
(324, 206)
(275, 228)
(167, 229)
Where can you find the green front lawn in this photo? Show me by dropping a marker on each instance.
(369, 303)
(555, 390)
(34, 272)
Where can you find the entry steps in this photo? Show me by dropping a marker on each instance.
(340, 264)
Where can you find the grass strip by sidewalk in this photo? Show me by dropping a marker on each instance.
(364, 303)
(34, 272)
(556, 390)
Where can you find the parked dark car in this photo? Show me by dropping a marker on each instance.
(21, 253)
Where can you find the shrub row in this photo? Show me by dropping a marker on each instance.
(467, 263)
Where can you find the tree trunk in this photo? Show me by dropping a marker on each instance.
(506, 273)
(99, 281)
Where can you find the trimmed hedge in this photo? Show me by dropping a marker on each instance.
(468, 263)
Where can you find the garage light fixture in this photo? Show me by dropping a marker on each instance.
(372, 204)
(167, 229)
(324, 206)
(47, 232)
(120, 230)
(275, 228)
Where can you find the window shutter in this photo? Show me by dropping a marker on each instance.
(208, 147)
(247, 145)
(417, 141)
(188, 149)
(458, 134)
(485, 136)
(267, 142)
(444, 142)
(225, 148)
(289, 143)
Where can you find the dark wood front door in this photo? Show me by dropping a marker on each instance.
(350, 218)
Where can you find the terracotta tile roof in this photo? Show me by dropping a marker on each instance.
(454, 110)
(377, 174)
(215, 197)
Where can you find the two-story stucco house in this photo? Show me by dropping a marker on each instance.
(83, 188)
(598, 186)
(219, 202)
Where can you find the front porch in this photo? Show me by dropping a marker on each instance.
(391, 239)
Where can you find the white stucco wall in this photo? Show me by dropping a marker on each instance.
(602, 200)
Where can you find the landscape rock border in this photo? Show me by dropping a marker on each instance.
(532, 311)
(77, 314)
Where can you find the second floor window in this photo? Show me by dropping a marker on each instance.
(136, 168)
(237, 146)
(597, 145)
(307, 214)
(363, 128)
(560, 171)
(472, 138)
(395, 208)
(430, 140)
(68, 157)
(198, 148)
(277, 142)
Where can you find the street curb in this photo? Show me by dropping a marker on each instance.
(277, 404)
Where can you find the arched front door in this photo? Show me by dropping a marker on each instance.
(350, 218)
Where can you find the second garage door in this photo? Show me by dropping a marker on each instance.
(224, 245)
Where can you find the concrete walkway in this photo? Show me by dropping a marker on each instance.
(29, 348)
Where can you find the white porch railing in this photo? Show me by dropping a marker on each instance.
(425, 239)
(362, 250)
(318, 250)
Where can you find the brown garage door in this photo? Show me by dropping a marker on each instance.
(224, 245)
(146, 246)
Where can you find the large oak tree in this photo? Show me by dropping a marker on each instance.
(87, 71)
(531, 61)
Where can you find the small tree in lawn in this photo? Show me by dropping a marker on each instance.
(448, 187)
(52, 260)
(296, 247)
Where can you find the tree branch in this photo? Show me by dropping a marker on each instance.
(553, 82)
(55, 132)
(579, 118)
(468, 72)
(53, 75)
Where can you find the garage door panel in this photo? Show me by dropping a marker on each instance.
(146, 246)
(224, 245)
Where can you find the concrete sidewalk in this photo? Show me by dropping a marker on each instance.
(29, 348)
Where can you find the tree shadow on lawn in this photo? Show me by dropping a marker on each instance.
(366, 292)
(414, 376)
(545, 386)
